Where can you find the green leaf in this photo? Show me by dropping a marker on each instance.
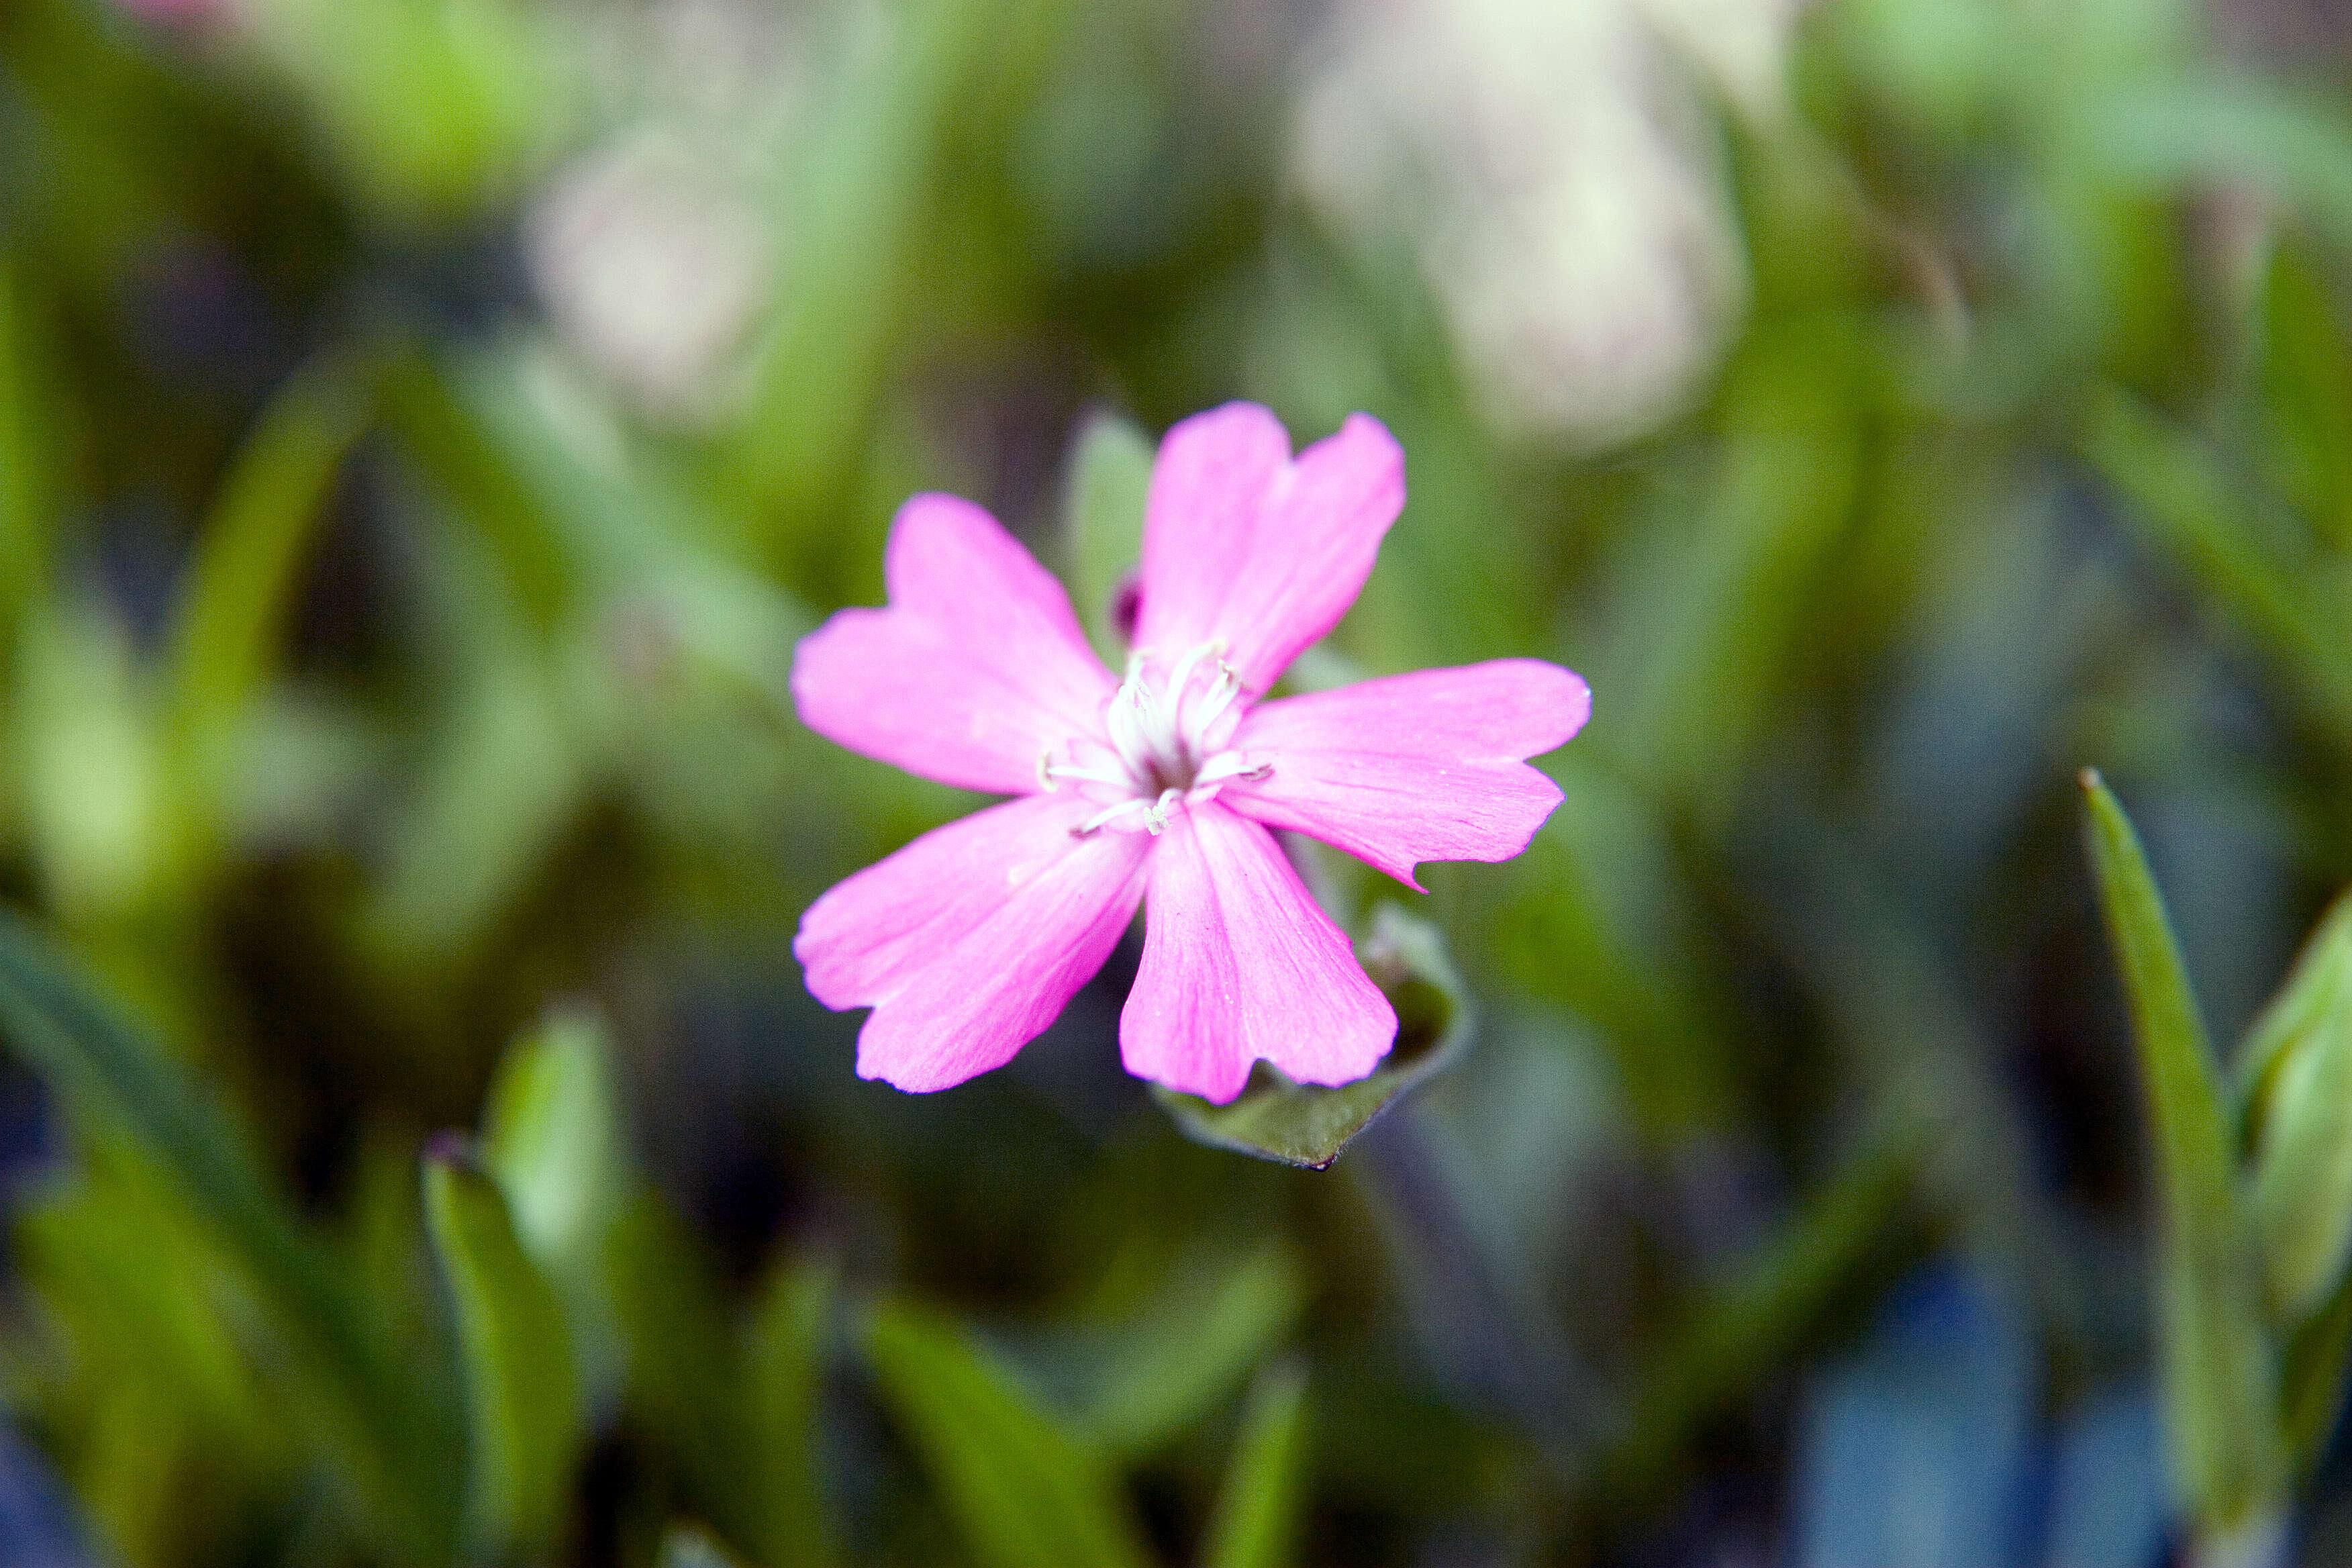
(522, 1396)
(1019, 1490)
(27, 443)
(685, 1380)
(1718, 604)
(2297, 1007)
(2311, 1383)
(242, 581)
(1301, 1124)
(91, 793)
(362, 72)
(2197, 514)
(1258, 1507)
(551, 1136)
(857, 211)
(507, 776)
(1195, 1341)
(2308, 393)
(1102, 515)
(2301, 1118)
(377, 1431)
(784, 1368)
(2221, 1393)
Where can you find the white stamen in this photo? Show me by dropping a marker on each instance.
(1163, 738)
(1231, 766)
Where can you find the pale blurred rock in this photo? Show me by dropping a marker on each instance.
(653, 271)
(1551, 166)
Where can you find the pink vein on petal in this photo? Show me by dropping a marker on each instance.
(1239, 964)
(976, 665)
(1407, 768)
(968, 941)
(1244, 544)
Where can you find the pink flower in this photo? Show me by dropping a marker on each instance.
(1163, 787)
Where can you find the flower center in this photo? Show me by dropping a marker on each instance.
(1165, 739)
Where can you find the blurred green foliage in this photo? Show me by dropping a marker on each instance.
(425, 425)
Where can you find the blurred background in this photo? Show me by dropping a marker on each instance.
(425, 425)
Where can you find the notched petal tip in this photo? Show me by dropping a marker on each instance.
(976, 660)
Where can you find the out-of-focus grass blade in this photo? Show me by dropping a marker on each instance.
(1258, 1507)
(25, 459)
(2244, 133)
(2311, 1382)
(2196, 516)
(1593, 923)
(380, 1436)
(685, 1380)
(444, 431)
(2308, 393)
(248, 564)
(522, 1396)
(784, 1366)
(362, 72)
(551, 1136)
(114, 1255)
(1713, 616)
(1019, 1490)
(2293, 1011)
(2302, 1149)
(1102, 515)
(90, 783)
(1757, 1319)
(506, 773)
(1199, 1341)
(2221, 1395)
(506, 780)
(855, 213)
(1301, 1124)
(571, 525)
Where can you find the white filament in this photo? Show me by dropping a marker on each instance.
(1165, 741)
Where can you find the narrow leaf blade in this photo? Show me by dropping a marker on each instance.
(1258, 1507)
(522, 1396)
(375, 1432)
(1020, 1490)
(2222, 1398)
(784, 1366)
(1191, 1348)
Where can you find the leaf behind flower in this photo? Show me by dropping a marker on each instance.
(1308, 1125)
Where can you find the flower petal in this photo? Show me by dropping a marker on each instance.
(968, 941)
(1425, 766)
(1239, 963)
(977, 666)
(1244, 544)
